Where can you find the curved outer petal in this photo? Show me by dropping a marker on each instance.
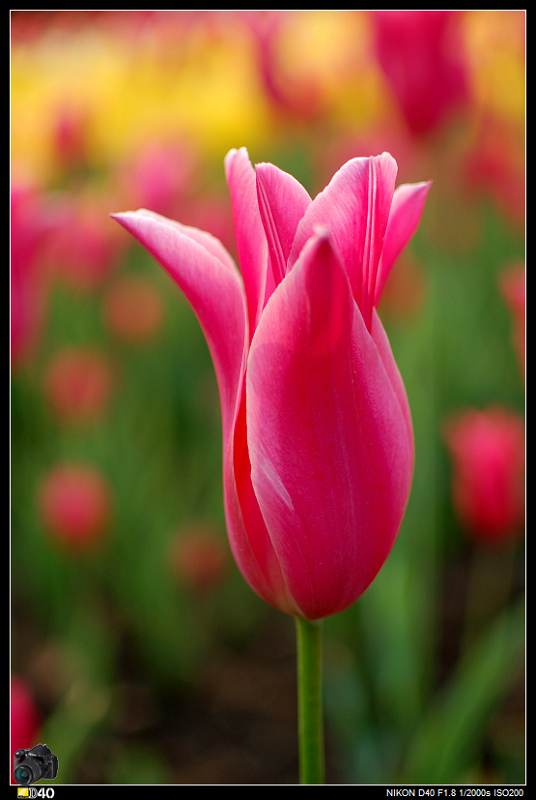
(249, 232)
(406, 209)
(355, 206)
(204, 271)
(282, 202)
(331, 453)
(248, 535)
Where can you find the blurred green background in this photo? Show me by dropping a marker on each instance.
(138, 652)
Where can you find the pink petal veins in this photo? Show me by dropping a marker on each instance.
(249, 233)
(282, 202)
(355, 207)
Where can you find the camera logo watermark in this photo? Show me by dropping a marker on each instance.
(46, 792)
(32, 764)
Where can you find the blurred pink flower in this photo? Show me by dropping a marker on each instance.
(78, 383)
(295, 98)
(25, 716)
(211, 213)
(133, 308)
(512, 285)
(75, 506)
(85, 249)
(157, 177)
(495, 165)
(31, 221)
(488, 462)
(421, 54)
(318, 460)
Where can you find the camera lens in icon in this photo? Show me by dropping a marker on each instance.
(24, 776)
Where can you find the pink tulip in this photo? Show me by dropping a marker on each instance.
(318, 441)
(421, 55)
(75, 506)
(85, 250)
(133, 309)
(488, 453)
(78, 383)
(31, 223)
(157, 176)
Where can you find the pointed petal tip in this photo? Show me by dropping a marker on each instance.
(425, 185)
(230, 154)
(127, 219)
(122, 215)
(417, 189)
(233, 153)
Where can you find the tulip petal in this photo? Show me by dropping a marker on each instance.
(282, 202)
(249, 232)
(383, 347)
(331, 461)
(406, 211)
(251, 545)
(204, 271)
(355, 207)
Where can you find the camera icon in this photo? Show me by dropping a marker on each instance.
(33, 764)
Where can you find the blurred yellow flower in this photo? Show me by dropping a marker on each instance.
(198, 86)
(496, 51)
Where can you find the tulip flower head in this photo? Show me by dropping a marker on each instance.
(421, 54)
(318, 442)
(31, 222)
(78, 384)
(75, 506)
(488, 453)
(85, 250)
(133, 309)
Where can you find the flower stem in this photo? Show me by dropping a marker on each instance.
(310, 712)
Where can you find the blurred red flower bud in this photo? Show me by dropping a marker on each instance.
(78, 383)
(85, 249)
(31, 220)
(157, 177)
(75, 505)
(421, 54)
(512, 285)
(133, 308)
(25, 716)
(70, 137)
(488, 453)
(495, 166)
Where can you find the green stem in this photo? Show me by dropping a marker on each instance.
(310, 713)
